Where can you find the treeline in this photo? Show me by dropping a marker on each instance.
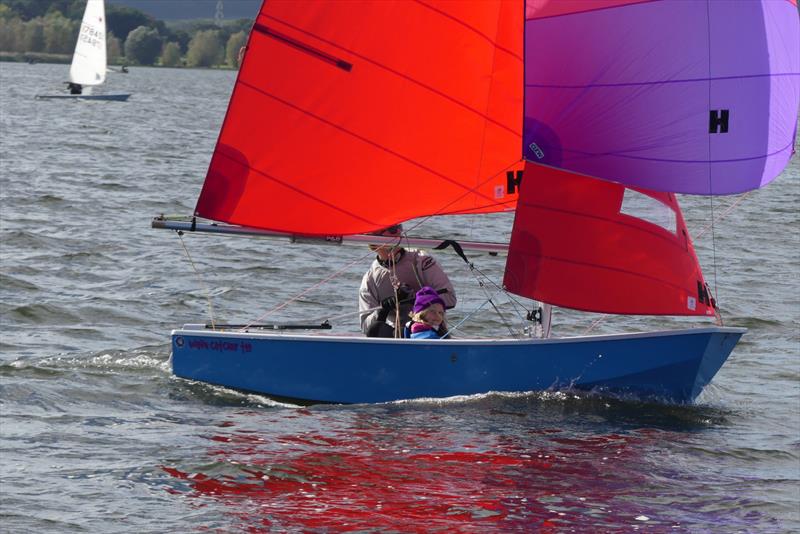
(133, 37)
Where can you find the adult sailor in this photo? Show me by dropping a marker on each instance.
(396, 274)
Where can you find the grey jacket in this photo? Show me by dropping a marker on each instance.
(416, 269)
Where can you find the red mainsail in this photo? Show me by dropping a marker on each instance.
(597, 246)
(347, 117)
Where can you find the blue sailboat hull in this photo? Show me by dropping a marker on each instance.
(672, 366)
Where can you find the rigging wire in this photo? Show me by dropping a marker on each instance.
(202, 280)
(724, 213)
(268, 312)
(489, 298)
(481, 278)
(476, 310)
(717, 313)
(710, 181)
(307, 290)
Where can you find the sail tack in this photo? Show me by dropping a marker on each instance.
(89, 60)
(597, 246)
(347, 117)
(693, 97)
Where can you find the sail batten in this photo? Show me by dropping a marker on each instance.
(342, 64)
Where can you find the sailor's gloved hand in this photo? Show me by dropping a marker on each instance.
(390, 303)
(404, 291)
(387, 306)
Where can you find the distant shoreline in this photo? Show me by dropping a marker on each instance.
(35, 57)
(66, 59)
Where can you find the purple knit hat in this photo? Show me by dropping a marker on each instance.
(425, 297)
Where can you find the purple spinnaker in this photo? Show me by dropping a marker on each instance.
(696, 97)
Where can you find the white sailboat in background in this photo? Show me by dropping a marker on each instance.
(89, 67)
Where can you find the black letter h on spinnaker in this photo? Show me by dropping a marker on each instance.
(718, 121)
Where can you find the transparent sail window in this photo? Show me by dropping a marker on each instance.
(649, 209)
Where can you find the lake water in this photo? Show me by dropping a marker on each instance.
(96, 435)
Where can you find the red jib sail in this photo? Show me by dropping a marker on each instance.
(347, 117)
(598, 246)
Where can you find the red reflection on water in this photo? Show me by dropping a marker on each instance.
(384, 480)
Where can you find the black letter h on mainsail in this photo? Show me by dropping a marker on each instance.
(512, 182)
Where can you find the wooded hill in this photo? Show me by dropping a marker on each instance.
(47, 31)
